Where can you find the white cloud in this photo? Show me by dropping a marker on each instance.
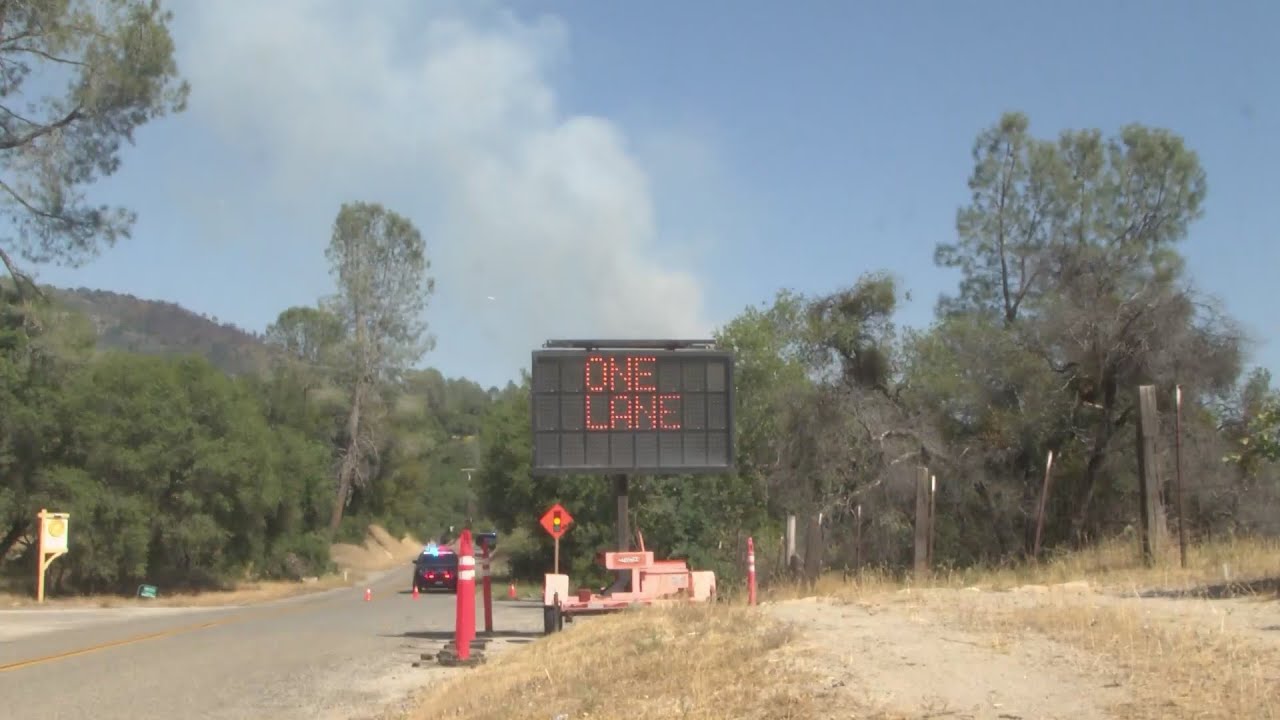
(451, 118)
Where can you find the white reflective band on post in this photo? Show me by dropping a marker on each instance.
(466, 574)
(484, 572)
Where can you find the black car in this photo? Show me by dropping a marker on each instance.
(436, 567)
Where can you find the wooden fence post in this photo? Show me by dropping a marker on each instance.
(1152, 510)
(790, 548)
(922, 522)
(813, 549)
(1044, 499)
(857, 541)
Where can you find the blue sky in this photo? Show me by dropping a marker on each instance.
(651, 168)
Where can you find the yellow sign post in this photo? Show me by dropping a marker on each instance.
(53, 543)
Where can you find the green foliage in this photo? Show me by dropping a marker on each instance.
(1255, 428)
(379, 261)
(1264, 432)
(1071, 294)
(306, 334)
(150, 327)
(114, 62)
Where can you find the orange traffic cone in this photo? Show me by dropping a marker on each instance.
(415, 591)
(511, 591)
(368, 594)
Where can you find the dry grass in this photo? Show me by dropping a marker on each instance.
(378, 552)
(1113, 565)
(1172, 657)
(1171, 669)
(1118, 565)
(685, 661)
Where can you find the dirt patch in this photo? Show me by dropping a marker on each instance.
(1180, 658)
(1051, 650)
(380, 551)
(895, 656)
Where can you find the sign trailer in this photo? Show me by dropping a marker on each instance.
(631, 407)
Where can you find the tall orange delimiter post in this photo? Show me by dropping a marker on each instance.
(465, 624)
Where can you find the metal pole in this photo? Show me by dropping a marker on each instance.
(1177, 451)
(471, 498)
(488, 591)
(620, 490)
(933, 494)
(1044, 498)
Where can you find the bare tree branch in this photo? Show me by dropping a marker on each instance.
(41, 131)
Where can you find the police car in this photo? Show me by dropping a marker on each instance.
(436, 567)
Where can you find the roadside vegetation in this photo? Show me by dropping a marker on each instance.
(1163, 642)
(1071, 292)
(692, 662)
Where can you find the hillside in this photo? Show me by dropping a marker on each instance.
(157, 327)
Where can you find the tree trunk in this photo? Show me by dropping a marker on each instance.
(1093, 469)
(997, 526)
(350, 459)
(11, 538)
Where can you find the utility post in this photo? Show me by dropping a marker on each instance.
(471, 497)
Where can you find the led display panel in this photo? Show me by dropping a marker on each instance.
(652, 412)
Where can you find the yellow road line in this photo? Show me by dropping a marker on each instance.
(241, 617)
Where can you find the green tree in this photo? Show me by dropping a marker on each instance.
(1070, 244)
(771, 384)
(379, 261)
(114, 60)
(1253, 426)
(307, 334)
(41, 349)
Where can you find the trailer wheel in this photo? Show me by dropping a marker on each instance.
(552, 620)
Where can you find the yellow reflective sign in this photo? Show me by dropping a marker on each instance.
(54, 532)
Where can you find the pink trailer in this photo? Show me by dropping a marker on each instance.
(648, 582)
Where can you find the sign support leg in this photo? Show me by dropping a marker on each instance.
(40, 566)
(621, 487)
(557, 563)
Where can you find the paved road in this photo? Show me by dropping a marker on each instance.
(328, 655)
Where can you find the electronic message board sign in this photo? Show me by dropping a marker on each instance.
(635, 411)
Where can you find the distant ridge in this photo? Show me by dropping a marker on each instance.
(157, 327)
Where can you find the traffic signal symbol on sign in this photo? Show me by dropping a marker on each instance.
(556, 521)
